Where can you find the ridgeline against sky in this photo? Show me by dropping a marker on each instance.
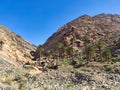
(36, 20)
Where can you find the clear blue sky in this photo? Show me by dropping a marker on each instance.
(36, 20)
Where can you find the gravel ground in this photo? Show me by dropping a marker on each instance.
(65, 78)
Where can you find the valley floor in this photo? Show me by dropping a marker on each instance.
(95, 76)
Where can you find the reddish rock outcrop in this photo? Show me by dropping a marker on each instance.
(105, 26)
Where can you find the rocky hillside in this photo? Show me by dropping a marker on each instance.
(51, 73)
(102, 26)
(14, 49)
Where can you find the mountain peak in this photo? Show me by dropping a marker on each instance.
(103, 14)
(85, 16)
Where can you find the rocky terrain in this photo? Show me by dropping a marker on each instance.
(66, 77)
(22, 69)
(15, 47)
(102, 26)
(14, 53)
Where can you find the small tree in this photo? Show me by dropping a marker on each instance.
(69, 51)
(86, 40)
(41, 49)
(59, 48)
(90, 51)
(64, 50)
(70, 54)
(50, 57)
(1, 44)
(72, 40)
(107, 54)
(72, 50)
(100, 45)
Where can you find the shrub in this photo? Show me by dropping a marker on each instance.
(1, 44)
(8, 82)
(70, 86)
(23, 85)
(87, 69)
(109, 68)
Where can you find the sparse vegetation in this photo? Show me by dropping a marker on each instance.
(70, 86)
(87, 69)
(41, 49)
(100, 45)
(59, 48)
(109, 68)
(8, 82)
(1, 44)
(89, 52)
(107, 55)
(23, 85)
(76, 59)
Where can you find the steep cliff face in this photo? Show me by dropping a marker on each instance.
(105, 26)
(15, 49)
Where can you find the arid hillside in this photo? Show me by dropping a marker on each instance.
(102, 26)
(84, 54)
(14, 48)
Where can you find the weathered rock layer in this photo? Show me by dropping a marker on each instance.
(14, 48)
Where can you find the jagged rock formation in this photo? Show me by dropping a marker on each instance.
(15, 49)
(105, 26)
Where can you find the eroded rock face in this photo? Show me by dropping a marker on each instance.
(105, 26)
(15, 48)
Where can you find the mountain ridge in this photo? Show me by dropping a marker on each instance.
(97, 27)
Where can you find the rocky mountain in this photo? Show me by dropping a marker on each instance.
(38, 75)
(102, 26)
(15, 49)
